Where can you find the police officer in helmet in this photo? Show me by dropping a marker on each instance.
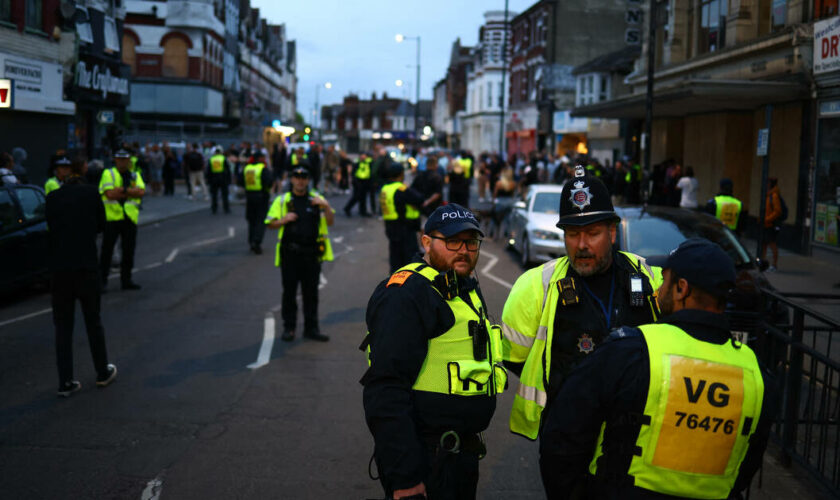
(435, 366)
(673, 409)
(556, 314)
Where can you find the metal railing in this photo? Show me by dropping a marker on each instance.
(804, 355)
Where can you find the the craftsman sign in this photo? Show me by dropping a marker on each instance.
(101, 81)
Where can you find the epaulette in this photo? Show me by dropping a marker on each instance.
(399, 278)
(625, 332)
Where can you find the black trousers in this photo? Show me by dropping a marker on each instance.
(256, 207)
(67, 287)
(360, 192)
(304, 269)
(214, 195)
(453, 476)
(168, 182)
(126, 231)
(373, 192)
(402, 244)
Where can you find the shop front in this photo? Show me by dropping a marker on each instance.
(826, 179)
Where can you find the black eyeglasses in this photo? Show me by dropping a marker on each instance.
(455, 244)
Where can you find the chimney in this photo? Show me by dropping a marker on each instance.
(384, 95)
(373, 96)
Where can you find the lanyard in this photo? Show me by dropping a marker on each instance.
(606, 310)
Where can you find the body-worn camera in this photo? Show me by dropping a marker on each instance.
(447, 284)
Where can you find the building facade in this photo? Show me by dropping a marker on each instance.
(826, 180)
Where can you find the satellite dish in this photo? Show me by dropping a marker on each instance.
(67, 10)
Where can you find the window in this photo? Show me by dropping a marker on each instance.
(32, 202)
(34, 15)
(489, 95)
(6, 10)
(778, 14)
(83, 25)
(175, 59)
(825, 8)
(8, 212)
(112, 42)
(501, 94)
(480, 98)
(712, 25)
(129, 52)
(604, 92)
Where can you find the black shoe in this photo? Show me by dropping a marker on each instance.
(288, 335)
(67, 389)
(103, 381)
(347, 213)
(258, 250)
(130, 286)
(316, 335)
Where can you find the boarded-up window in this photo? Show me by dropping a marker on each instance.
(129, 54)
(175, 59)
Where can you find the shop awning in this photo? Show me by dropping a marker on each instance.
(698, 96)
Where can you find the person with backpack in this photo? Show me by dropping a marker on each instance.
(774, 215)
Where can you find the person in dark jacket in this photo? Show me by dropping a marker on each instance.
(75, 215)
(665, 410)
(401, 213)
(218, 173)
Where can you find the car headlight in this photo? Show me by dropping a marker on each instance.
(545, 235)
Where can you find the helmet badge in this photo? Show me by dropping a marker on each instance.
(581, 197)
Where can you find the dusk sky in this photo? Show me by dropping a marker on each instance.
(351, 43)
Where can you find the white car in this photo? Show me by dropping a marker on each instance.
(532, 229)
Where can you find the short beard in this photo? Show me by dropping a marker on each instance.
(601, 265)
(440, 264)
(666, 303)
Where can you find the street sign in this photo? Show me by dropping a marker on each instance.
(105, 117)
(763, 139)
(5, 93)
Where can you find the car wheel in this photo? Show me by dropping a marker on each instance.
(526, 251)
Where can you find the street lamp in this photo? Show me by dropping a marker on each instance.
(400, 38)
(327, 85)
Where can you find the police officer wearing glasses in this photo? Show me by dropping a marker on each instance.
(673, 409)
(435, 366)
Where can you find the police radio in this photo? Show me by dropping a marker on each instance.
(637, 292)
(480, 338)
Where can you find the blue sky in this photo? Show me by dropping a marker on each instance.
(350, 43)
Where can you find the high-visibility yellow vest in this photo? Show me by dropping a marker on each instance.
(527, 338)
(134, 160)
(217, 164)
(727, 209)
(280, 207)
(593, 171)
(634, 170)
(704, 401)
(467, 163)
(114, 209)
(363, 172)
(253, 176)
(450, 366)
(389, 206)
(295, 159)
(51, 185)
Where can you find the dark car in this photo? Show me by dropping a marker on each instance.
(23, 236)
(655, 230)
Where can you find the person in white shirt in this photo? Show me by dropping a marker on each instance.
(688, 186)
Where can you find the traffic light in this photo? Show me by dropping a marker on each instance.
(307, 130)
(306, 136)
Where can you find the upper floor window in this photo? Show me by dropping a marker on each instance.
(175, 58)
(129, 52)
(712, 30)
(83, 25)
(825, 8)
(778, 14)
(592, 88)
(112, 41)
(34, 15)
(489, 94)
(6, 10)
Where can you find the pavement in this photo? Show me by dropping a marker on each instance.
(208, 405)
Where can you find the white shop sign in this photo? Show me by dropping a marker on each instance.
(38, 85)
(827, 45)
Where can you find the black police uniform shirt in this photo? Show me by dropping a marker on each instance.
(401, 321)
(429, 182)
(303, 231)
(404, 227)
(579, 328)
(611, 385)
(75, 215)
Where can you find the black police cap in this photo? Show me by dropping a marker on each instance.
(451, 219)
(702, 263)
(585, 200)
(300, 172)
(122, 153)
(394, 170)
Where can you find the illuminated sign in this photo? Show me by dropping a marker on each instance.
(5, 93)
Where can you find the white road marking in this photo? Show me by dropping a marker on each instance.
(338, 239)
(486, 271)
(25, 316)
(174, 253)
(153, 489)
(322, 281)
(171, 256)
(151, 266)
(268, 342)
(359, 229)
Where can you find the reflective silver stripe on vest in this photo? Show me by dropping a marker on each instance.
(542, 333)
(516, 337)
(107, 185)
(644, 263)
(547, 272)
(136, 204)
(532, 394)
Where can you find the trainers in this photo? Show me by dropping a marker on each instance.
(316, 335)
(288, 335)
(107, 379)
(65, 390)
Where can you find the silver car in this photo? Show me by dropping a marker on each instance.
(532, 229)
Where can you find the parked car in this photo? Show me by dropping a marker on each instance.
(23, 236)
(531, 225)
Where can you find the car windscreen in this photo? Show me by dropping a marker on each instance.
(647, 236)
(546, 203)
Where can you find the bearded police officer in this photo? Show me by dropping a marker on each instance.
(557, 313)
(435, 366)
(122, 191)
(256, 178)
(302, 217)
(673, 408)
(400, 211)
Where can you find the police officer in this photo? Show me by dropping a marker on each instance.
(435, 366)
(61, 171)
(302, 217)
(122, 191)
(257, 180)
(673, 408)
(218, 175)
(361, 186)
(726, 207)
(557, 313)
(401, 215)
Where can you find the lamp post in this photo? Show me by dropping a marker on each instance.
(317, 120)
(400, 38)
